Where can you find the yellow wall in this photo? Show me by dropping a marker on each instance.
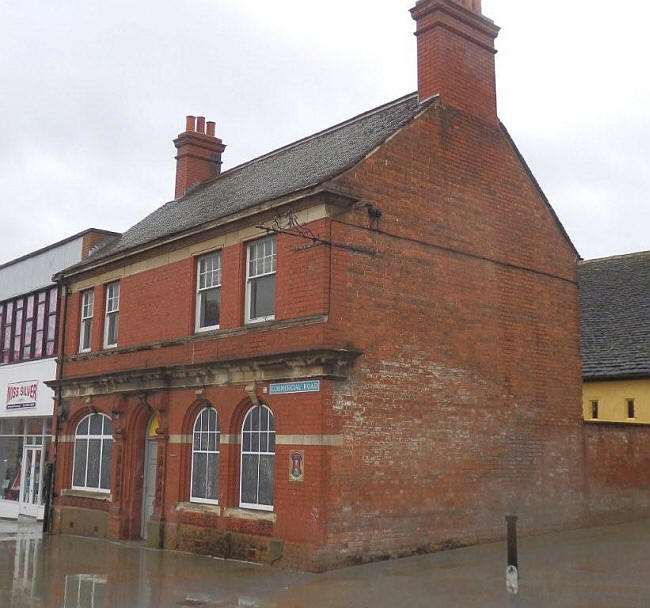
(612, 399)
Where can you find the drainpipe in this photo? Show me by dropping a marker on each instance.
(51, 466)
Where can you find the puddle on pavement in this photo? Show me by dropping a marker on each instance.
(75, 572)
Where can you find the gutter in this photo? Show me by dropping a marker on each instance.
(617, 376)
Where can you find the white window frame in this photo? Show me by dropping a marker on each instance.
(112, 308)
(200, 290)
(102, 437)
(250, 278)
(87, 313)
(248, 505)
(208, 501)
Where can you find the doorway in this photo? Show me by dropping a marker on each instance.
(149, 474)
(30, 502)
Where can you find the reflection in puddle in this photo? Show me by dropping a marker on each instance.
(64, 571)
(84, 591)
(26, 552)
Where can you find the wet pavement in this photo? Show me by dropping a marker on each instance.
(597, 568)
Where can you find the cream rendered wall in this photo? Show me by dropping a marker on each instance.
(612, 399)
(36, 272)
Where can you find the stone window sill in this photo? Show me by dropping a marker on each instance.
(250, 514)
(197, 507)
(103, 496)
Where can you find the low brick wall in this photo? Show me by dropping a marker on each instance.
(617, 471)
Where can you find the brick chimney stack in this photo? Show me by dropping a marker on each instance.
(456, 55)
(199, 154)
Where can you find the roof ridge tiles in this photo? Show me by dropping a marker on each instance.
(619, 256)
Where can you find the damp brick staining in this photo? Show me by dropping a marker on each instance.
(445, 339)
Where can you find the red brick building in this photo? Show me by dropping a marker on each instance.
(362, 344)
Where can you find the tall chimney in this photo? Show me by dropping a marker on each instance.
(456, 55)
(199, 154)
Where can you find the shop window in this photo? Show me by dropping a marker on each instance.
(18, 329)
(257, 459)
(40, 325)
(111, 321)
(11, 456)
(15, 435)
(208, 291)
(93, 447)
(86, 326)
(8, 332)
(50, 344)
(205, 457)
(28, 326)
(260, 280)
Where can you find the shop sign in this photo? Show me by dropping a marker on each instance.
(21, 395)
(285, 388)
(297, 465)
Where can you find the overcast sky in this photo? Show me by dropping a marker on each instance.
(94, 92)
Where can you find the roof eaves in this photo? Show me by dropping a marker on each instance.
(613, 376)
(88, 264)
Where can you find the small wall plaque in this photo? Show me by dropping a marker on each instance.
(297, 465)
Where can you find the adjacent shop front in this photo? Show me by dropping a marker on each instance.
(25, 419)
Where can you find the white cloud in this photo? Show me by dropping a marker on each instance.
(93, 94)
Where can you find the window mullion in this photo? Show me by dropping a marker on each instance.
(259, 460)
(87, 450)
(207, 473)
(192, 488)
(101, 454)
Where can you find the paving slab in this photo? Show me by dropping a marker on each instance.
(602, 567)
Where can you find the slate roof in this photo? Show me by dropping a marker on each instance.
(615, 316)
(298, 166)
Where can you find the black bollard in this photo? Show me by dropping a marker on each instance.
(511, 521)
(512, 571)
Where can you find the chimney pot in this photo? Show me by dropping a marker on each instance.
(198, 157)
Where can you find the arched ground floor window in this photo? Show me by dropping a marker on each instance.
(93, 448)
(205, 457)
(257, 459)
